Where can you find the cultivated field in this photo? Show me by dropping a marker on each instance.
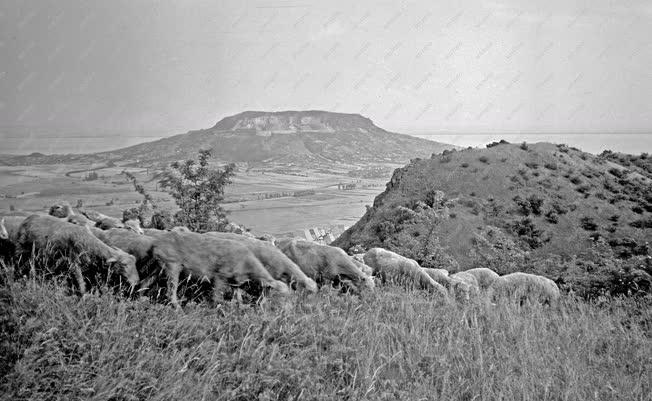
(390, 344)
(282, 202)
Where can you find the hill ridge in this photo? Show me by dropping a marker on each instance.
(303, 138)
(509, 203)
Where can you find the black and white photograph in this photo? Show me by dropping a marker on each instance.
(264, 200)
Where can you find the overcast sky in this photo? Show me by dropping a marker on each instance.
(86, 75)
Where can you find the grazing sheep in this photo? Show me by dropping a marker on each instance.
(219, 260)
(458, 288)
(392, 266)
(154, 232)
(102, 220)
(61, 210)
(108, 223)
(10, 224)
(484, 276)
(524, 287)
(64, 211)
(324, 264)
(133, 225)
(358, 259)
(53, 234)
(275, 261)
(466, 278)
(439, 275)
(465, 285)
(139, 246)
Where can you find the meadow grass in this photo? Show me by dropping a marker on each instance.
(391, 344)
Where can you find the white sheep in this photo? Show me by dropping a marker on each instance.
(390, 266)
(524, 287)
(484, 276)
(51, 234)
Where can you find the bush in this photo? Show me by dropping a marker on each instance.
(532, 165)
(532, 204)
(524, 146)
(642, 223)
(576, 180)
(484, 159)
(198, 190)
(464, 165)
(162, 220)
(92, 176)
(551, 166)
(131, 214)
(527, 232)
(617, 172)
(588, 223)
(552, 216)
(502, 142)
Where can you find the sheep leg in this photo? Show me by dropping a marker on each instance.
(76, 271)
(173, 270)
(218, 290)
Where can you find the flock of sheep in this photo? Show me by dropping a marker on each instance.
(228, 260)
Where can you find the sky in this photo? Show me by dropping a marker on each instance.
(87, 75)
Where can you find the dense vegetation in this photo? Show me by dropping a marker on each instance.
(580, 219)
(391, 344)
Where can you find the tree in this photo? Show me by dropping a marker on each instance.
(198, 190)
(144, 211)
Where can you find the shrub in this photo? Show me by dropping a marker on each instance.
(80, 204)
(532, 204)
(588, 223)
(576, 180)
(527, 232)
(637, 209)
(162, 220)
(551, 166)
(617, 172)
(92, 176)
(464, 165)
(502, 142)
(131, 214)
(12, 208)
(583, 189)
(198, 190)
(524, 146)
(642, 223)
(532, 165)
(484, 159)
(552, 216)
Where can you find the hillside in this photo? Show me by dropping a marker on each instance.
(303, 138)
(510, 205)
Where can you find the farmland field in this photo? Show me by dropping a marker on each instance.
(264, 200)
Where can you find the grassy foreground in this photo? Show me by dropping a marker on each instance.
(387, 345)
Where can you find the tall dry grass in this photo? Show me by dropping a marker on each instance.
(388, 345)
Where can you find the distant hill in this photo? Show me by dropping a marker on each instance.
(508, 204)
(287, 137)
